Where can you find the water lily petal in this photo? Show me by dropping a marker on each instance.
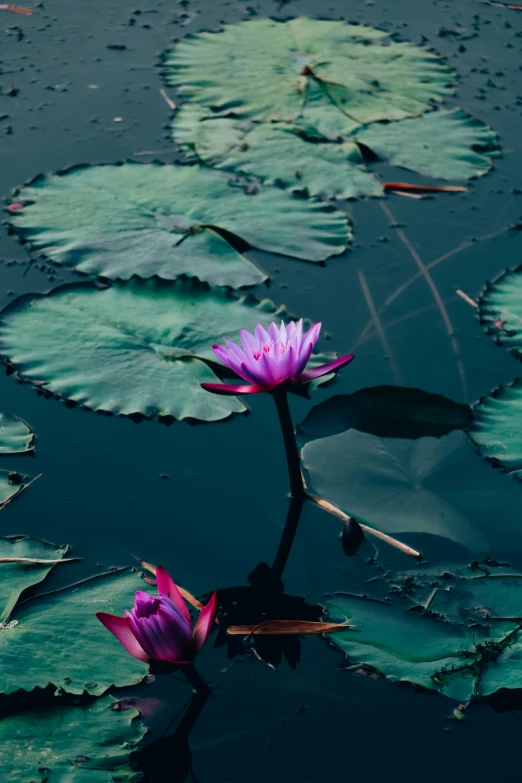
(227, 358)
(324, 369)
(302, 359)
(312, 336)
(205, 623)
(273, 331)
(248, 341)
(119, 626)
(228, 388)
(167, 586)
(262, 335)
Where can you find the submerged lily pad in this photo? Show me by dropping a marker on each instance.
(263, 69)
(135, 348)
(275, 153)
(150, 219)
(451, 629)
(61, 642)
(427, 486)
(88, 743)
(17, 577)
(441, 144)
(386, 411)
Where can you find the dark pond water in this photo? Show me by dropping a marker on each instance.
(222, 509)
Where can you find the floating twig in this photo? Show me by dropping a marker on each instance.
(168, 100)
(466, 298)
(24, 486)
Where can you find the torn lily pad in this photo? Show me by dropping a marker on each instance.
(450, 628)
(143, 347)
(276, 153)
(500, 310)
(442, 144)
(16, 436)
(170, 221)
(81, 743)
(15, 577)
(61, 642)
(262, 69)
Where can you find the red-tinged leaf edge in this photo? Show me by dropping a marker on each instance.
(391, 186)
(286, 628)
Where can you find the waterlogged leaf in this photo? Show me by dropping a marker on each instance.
(496, 427)
(150, 219)
(500, 310)
(139, 347)
(264, 69)
(17, 577)
(425, 486)
(451, 629)
(88, 743)
(386, 411)
(15, 436)
(61, 642)
(276, 153)
(285, 628)
(442, 144)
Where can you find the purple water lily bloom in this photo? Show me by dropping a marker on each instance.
(159, 628)
(272, 356)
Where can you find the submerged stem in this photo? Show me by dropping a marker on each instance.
(287, 539)
(195, 679)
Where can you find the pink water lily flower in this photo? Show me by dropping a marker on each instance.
(272, 356)
(159, 628)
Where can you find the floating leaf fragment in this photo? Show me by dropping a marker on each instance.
(16, 9)
(395, 186)
(286, 628)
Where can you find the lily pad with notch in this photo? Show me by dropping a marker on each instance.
(170, 221)
(138, 348)
(263, 69)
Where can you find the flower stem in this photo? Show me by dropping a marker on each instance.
(297, 490)
(201, 687)
(292, 454)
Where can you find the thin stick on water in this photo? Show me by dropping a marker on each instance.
(168, 100)
(466, 298)
(6, 502)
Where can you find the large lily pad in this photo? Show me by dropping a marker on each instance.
(140, 347)
(442, 144)
(61, 642)
(386, 411)
(451, 629)
(275, 153)
(262, 69)
(88, 743)
(424, 486)
(496, 429)
(146, 220)
(15, 577)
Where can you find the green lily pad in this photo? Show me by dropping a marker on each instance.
(136, 348)
(166, 221)
(442, 144)
(425, 486)
(275, 153)
(17, 577)
(15, 436)
(385, 411)
(451, 629)
(496, 429)
(88, 743)
(262, 69)
(500, 310)
(11, 483)
(61, 642)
